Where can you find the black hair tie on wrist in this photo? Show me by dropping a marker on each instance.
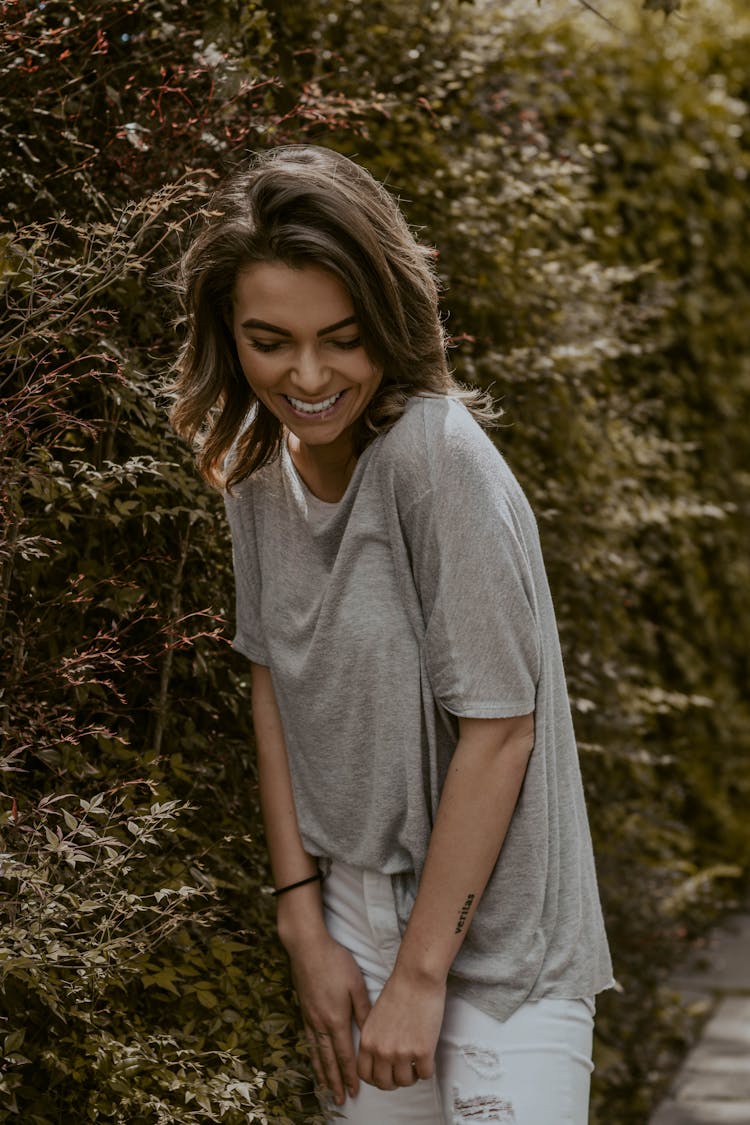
(302, 882)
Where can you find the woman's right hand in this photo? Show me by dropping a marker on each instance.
(331, 992)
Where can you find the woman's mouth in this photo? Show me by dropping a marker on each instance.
(314, 409)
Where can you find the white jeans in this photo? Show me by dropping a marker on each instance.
(532, 1069)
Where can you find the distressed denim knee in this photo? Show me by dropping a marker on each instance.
(532, 1069)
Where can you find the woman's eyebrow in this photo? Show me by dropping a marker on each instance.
(340, 324)
(266, 327)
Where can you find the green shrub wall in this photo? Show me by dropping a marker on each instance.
(586, 189)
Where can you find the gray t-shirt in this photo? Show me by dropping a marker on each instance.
(418, 598)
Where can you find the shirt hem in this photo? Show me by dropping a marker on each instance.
(489, 710)
(250, 651)
(485, 997)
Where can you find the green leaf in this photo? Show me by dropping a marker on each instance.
(70, 820)
(14, 1041)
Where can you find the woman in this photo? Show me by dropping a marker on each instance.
(418, 774)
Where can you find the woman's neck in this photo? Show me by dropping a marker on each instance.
(325, 469)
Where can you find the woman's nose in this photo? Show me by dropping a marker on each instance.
(309, 373)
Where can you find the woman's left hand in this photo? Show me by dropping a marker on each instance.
(400, 1035)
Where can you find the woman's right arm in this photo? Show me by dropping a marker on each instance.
(328, 982)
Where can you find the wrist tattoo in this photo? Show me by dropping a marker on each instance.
(464, 913)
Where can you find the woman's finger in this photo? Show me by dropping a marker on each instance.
(405, 1073)
(364, 1065)
(382, 1076)
(330, 1062)
(315, 1062)
(343, 1046)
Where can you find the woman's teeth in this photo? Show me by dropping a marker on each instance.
(314, 407)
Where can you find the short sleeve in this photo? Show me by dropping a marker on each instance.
(471, 534)
(248, 638)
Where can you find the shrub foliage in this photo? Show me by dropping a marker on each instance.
(584, 190)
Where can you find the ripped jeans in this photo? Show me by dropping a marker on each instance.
(532, 1069)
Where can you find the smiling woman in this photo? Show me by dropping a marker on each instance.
(305, 207)
(310, 371)
(417, 766)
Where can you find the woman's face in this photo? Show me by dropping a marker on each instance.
(299, 347)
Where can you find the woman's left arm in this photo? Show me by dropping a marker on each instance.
(475, 810)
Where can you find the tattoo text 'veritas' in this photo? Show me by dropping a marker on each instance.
(464, 913)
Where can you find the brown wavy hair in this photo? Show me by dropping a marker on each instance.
(305, 205)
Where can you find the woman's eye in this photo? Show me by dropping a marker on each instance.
(267, 346)
(264, 346)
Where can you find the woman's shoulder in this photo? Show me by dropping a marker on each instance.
(438, 447)
(432, 420)
(436, 431)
